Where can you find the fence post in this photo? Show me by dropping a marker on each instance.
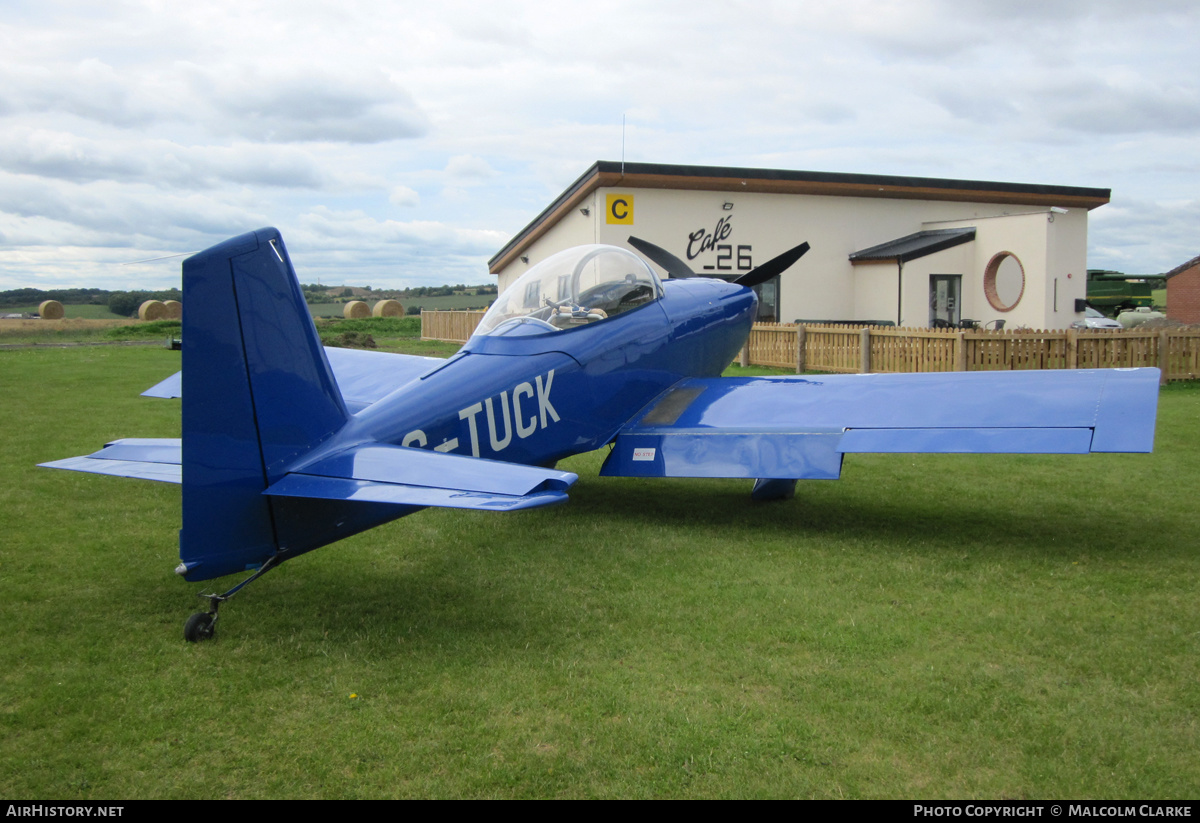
(864, 343)
(801, 339)
(744, 354)
(1072, 349)
(1164, 356)
(960, 351)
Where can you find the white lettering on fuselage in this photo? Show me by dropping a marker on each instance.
(513, 416)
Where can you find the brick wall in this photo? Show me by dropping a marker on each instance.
(1183, 292)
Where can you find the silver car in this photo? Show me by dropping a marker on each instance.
(1093, 319)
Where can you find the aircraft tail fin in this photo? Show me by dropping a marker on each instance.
(258, 393)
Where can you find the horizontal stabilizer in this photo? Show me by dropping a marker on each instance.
(370, 491)
(143, 458)
(416, 477)
(170, 388)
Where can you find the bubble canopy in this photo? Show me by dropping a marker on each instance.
(573, 288)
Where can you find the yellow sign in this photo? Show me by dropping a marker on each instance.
(618, 209)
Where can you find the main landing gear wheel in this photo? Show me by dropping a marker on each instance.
(199, 627)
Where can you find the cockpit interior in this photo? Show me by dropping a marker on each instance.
(573, 288)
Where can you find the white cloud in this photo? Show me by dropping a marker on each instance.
(404, 196)
(466, 167)
(150, 127)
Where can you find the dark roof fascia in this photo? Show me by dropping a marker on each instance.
(915, 246)
(782, 181)
(734, 177)
(1180, 269)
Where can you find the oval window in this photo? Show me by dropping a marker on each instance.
(1004, 281)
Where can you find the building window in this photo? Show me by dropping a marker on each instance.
(1004, 281)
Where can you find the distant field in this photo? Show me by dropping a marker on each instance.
(457, 301)
(86, 311)
(935, 626)
(58, 331)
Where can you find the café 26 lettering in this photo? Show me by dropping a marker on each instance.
(703, 240)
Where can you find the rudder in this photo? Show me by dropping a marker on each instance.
(257, 393)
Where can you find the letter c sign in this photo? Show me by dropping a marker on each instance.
(618, 209)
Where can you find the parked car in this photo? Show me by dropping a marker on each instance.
(1093, 319)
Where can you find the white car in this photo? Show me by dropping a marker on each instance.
(1093, 319)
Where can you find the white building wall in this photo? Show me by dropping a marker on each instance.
(574, 229)
(823, 284)
(876, 292)
(1067, 263)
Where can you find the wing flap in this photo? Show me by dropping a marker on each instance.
(967, 441)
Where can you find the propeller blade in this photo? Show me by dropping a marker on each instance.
(674, 266)
(771, 268)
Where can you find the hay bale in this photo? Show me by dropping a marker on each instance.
(356, 310)
(174, 309)
(152, 310)
(50, 310)
(388, 308)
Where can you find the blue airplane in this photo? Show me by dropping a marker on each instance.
(288, 446)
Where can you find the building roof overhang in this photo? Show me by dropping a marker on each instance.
(607, 174)
(914, 246)
(1181, 268)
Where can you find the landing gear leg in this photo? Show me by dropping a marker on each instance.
(772, 489)
(202, 625)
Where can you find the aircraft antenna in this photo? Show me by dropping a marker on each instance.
(153, 259)
(622, 145)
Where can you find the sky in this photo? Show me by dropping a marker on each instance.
(402, 144)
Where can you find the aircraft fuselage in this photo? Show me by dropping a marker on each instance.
(538, 397)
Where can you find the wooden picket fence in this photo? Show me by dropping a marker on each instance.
(452, 326)
(887, 349)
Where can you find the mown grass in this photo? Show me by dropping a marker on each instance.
(395, 334)
(929, 626)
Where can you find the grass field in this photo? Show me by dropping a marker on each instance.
(929, 626)
(71, 311)
(439, 303)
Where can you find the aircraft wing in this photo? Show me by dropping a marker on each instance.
(799, 427)
(363, 376)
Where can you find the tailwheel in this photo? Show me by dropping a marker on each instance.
(200, 626)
